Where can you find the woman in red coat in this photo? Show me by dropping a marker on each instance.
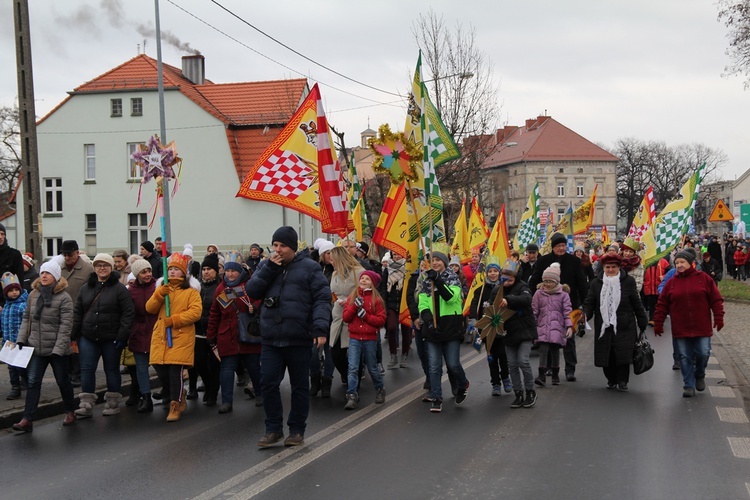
(740, 259)
(231, 310)
(689, 299)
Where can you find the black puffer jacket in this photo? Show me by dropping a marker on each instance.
(522, 326)
(110, 317)
(208, 290)
(304, 301)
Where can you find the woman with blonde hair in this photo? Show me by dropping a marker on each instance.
(344, 280)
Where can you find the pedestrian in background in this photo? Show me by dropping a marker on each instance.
(47, 323)
(321, 383)
(392, 288)
(345, 278)
(11, 317)
(29, 271)
(690, 299)
(205, 363)
(615, 304)
(551, 306)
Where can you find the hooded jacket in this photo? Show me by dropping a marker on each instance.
(185, 309)
(12, 316)
(50, 334)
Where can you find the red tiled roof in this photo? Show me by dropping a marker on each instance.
(543, 139)
(246, 108)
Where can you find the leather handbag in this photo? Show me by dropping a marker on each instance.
(643, 355)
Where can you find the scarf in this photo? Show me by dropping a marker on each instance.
(449, 277)
(396, 270)
(231, 284)
(630, 263)
(609, 300)
(45, 299)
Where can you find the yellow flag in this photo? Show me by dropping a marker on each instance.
(583, 217)
(478, 232)
(605, 236)
(357, 220)
(475, 286)
(460, 245)
(498, 244)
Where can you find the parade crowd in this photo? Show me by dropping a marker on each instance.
(317, 314)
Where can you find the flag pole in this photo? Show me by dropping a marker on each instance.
(421, 244)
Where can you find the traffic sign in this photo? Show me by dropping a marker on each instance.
(721, 213)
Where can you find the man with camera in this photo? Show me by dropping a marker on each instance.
(295, 315)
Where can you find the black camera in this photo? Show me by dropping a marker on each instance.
(271, 302)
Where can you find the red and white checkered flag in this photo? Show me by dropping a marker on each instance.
(283, 174)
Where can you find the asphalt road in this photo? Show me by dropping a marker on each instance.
(580, 441)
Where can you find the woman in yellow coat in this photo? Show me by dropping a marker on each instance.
(185, 309)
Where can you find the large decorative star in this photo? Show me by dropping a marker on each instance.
(395, 155)
(156, 159)
(493, 320)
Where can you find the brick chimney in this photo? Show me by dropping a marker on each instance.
(194, 68)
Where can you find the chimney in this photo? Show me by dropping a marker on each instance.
(529, 122)
(194, 68)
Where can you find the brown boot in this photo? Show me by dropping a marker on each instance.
(70, 419)
(174, 411)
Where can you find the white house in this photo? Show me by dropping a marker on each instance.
(90, 185)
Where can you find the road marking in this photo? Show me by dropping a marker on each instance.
(740, 446)
(712, 360)
(747, 485)
(718, 391)
(310, 455)
(732, 415)
(715, 374)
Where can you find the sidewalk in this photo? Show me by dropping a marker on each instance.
(50, 403)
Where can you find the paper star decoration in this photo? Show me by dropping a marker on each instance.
(156, 159)
(493, 320)
(395, 155)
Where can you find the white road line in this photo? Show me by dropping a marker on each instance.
(718, 391)
(747, 485)
(740, 446)
(712, 360)
(715, 374)
(390, 407)
(732, 415)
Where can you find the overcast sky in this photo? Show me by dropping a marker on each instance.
(607, 70)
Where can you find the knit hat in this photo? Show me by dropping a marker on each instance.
(325, 246)
(148, 246)
(286, 235)
(51, 267)
(188, 250)
(212, 245)
(493, 265)
(233, 260)
(139, 265)
(441, 256)
(552, 273)
(257, 247)
(2, 228)
(179, 261)
(611, 258)
(211, 260)
(28, 259)
(685, 254)
(375, 277)
(706, 254)
(9, 282)
(455, 261)
(104, 257)
(580, 248)
(557, 238)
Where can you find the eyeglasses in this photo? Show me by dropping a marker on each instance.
(549, 282)
(101, 265)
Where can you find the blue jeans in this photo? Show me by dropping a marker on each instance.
(274, 361)
(35, 373)
(519, 366)
(328, 365)
(370, 350)
(91, 351)
(226, 375)
(141, 371)
(694, 353)
(451, 351)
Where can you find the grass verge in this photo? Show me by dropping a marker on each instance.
(734, 290)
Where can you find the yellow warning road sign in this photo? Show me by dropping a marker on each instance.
(721, 213)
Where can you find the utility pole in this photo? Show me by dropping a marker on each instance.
(27, 124)
(167, 224)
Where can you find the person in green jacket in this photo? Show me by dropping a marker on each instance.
(440, 311)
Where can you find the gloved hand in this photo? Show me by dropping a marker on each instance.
(20, 345)
(428, 329)
(120, 345)
(359, 302)
(431, 274)
(361, 313)
(163, 290)
(718, 324)
(168, 322)
(658, 330)
(211, 342)
(426, 316)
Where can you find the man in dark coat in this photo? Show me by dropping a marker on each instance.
(528, 262)
(10, 259)
(255, 256)
(148, 252)
(714, 248)
(571, 274)
(296, 315)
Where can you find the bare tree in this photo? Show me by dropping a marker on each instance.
(735, 14)
(10, 149)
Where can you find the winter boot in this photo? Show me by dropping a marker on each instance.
(541, 380)
(325, 387)
(393, 363)
(530, 399)
(174, 411)
(145, 404)
(518, 402)
(556, 376)
(111, 403)
(314, 385)
(404, 361)
(86, 407)
(351, 401)
(135, 391)
(15, 393)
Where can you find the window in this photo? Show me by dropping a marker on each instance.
(579, 189)
(580, 170)
(560, 189)
(91, 244)
(136, 106)
(560, 213)
(52, 246)
(90, 222)
(89, 154)
(138, 231)
(116, 106)
(53, 196)
(562, 171)
(134, 171)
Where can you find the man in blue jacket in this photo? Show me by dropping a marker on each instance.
(295, 315)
